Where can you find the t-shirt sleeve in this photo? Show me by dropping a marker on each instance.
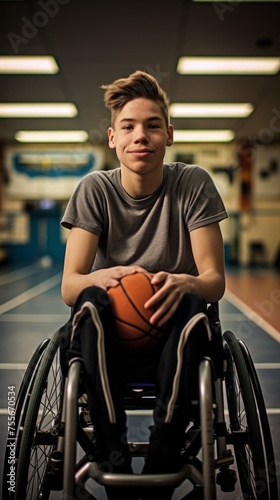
(85, 208)
(205, 204)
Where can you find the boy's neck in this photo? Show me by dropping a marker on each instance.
(140, 186)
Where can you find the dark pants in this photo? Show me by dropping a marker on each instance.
(173, 367)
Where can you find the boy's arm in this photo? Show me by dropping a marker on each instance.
(207, 247)
(208, 251)
(80, 253)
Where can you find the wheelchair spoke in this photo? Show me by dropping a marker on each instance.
(45, 437)
(40, 435)
(22, 405)
(37, 472)
(244, 429)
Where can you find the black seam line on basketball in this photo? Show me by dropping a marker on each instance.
(151, 285)
(145, 332)
(136, 308)
(150, 341)
(154, 290)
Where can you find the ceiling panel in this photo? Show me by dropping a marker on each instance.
(96, 42)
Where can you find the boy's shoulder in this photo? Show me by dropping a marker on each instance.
(177, 168)
(100, 176)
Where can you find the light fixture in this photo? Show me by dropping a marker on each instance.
(203, 135)
(28, 65)
(37, 110)
(210, 110)
(51, 136)
(228, 65)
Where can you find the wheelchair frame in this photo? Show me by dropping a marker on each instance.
(52, 418)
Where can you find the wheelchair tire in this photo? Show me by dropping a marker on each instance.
(265, 428)
(41, 427)
(245, 432)
(21, 407)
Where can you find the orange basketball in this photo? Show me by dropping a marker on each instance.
(131, 318)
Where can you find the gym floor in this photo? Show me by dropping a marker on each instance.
(31, 309)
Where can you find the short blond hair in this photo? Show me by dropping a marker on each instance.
(138, 84)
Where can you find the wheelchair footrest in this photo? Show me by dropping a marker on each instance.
(138, 480)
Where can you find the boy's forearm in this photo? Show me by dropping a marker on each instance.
(210, 285)
(73, 285)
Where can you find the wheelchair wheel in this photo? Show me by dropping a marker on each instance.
(245, 431)
(34, 477)
(20, 415)
(265, 428)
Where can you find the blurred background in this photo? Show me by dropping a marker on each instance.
(219, 63)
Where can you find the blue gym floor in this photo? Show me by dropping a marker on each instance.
(31, 309)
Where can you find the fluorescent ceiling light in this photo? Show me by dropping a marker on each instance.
(228, 65)
(28, 64)
(51, 136)
(213, 110)
(38, 110)
(203, 135)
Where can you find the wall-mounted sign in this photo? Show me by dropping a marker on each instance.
(34, 174)
(54, 163)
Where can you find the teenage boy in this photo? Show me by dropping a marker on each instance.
(161, 219)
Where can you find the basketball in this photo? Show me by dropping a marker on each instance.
(130, 316)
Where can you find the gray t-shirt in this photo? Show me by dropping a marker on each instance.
(152, 232)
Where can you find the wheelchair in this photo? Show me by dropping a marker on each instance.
(228, 445)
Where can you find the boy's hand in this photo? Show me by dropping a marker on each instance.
(168, 297)
(110, 277)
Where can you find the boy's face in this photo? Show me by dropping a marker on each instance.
(140, 135)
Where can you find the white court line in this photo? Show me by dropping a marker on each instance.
(252, 315)
(232, 317)
(31, 293)
(267, 366)
(13, 366)
(18, 274)
(35, 318)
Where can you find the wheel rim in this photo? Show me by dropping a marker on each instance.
(245, 432)
(45, 435)
(238, 424)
